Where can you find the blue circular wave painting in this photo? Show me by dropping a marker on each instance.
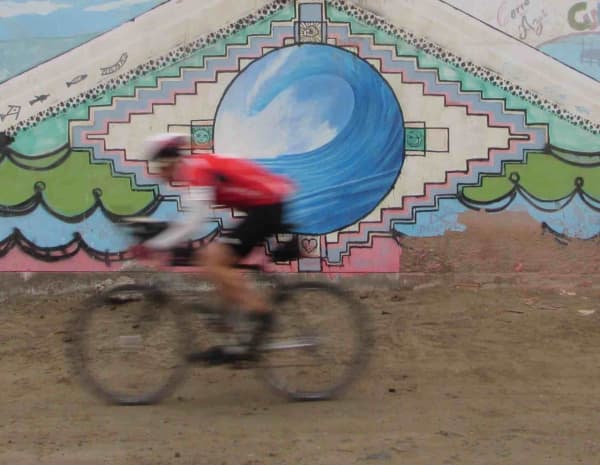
(324, 117)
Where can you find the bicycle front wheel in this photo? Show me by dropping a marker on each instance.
(320, 343)
(129, 345)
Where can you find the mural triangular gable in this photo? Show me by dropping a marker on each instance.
(386, 133)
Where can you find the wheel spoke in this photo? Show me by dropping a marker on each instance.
(302, 365)
(131, 345)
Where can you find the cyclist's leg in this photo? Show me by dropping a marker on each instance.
(220, 257)
(219, 260)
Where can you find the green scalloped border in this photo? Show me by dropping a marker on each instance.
(70, 186)
(542, 175)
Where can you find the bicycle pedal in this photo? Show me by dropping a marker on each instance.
(241, 365)
(222, 355)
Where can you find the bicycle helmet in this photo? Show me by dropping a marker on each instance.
(163, 147)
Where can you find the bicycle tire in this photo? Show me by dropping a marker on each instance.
(287, 300)
(150, 297)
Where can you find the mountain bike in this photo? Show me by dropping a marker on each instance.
(130, 341)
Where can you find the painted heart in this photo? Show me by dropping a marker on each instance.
(309, 245)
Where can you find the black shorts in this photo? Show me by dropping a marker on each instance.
(260, 223)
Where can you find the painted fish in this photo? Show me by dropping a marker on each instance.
(39, 98)
(76, 80)
(118, 65)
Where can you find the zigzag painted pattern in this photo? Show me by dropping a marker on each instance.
(534, 138)
(91, 134)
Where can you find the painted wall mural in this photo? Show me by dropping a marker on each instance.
(568, 30)
(386, 133)
(33, 31)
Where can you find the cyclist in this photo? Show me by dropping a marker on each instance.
(231, 182)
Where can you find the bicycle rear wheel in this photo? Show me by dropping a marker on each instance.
(130, 344)
(320, 343)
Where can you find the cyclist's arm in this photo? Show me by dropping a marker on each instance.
(196, 210)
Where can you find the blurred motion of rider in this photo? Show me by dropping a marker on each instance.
(230, 182)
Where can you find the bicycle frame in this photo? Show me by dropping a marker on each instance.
(182, 256)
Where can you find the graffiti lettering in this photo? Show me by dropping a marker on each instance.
(506, 13)
(522, 13)
(581, 19)
(510, 12)
(536, 25)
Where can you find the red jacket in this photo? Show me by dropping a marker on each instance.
(237, 182)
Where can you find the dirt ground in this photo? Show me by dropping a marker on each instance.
(460, 374)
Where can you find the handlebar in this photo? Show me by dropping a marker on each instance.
(144, 228)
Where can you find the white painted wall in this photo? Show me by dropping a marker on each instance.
(149, 36)
(467, 36)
